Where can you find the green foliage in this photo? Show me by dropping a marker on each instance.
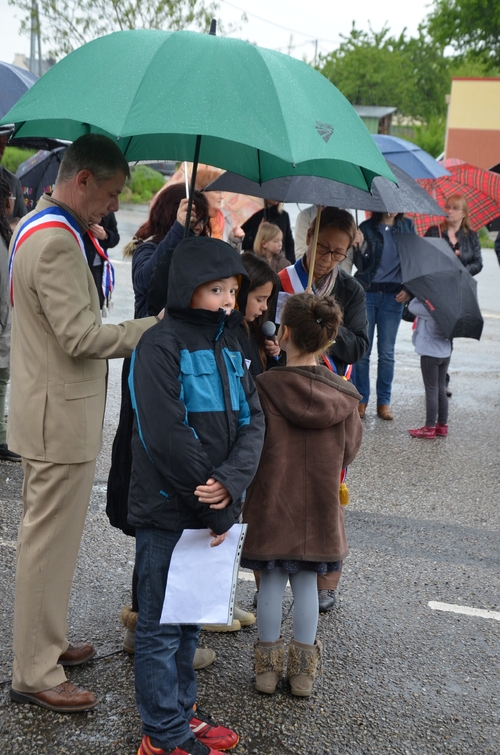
(469, 27)
(13, 157)
(67, 24)
(375, 68)
(142, 185)
(485, 239)
(430, 136)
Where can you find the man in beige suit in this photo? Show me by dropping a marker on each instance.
(56, 412)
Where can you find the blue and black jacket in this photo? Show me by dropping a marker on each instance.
(197, 413)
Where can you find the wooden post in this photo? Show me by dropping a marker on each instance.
(312, 261)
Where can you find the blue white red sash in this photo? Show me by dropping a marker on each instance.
(294, 278)
(57, 217)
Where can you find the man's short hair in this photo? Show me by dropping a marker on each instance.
(96, 153)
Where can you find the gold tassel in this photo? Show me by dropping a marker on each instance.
(343, 494)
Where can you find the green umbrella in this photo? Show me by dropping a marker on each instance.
(161, 94)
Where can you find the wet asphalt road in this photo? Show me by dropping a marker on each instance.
(397, 677)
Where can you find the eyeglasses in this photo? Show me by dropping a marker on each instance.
(326, 250)
(453, 207)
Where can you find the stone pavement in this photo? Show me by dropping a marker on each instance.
(397, 677)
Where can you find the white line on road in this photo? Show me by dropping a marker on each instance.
(247, 575)
(467, 610)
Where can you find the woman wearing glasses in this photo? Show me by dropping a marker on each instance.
(458, 233)
(379, 272)
(337, 230)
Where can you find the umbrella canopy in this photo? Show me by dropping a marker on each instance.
(258, 112)
(38, 174)
(481, 189)
(14, 82)
(410, 158)
(435, 275)
(385, 196)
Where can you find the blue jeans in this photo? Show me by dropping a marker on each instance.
(165, 681)
(384, 312)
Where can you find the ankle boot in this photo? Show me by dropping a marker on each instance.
(129, 620)
(269, 660)
(301, 666)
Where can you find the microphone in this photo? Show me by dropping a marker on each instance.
(269, 330)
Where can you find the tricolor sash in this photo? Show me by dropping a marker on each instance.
(57, 217)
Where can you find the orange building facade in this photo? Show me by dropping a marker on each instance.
(473, 125)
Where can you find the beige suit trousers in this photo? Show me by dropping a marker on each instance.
(55, 502)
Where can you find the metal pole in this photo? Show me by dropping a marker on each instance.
(187, 227)
(33, 36)
(39, 34)
(313, 255)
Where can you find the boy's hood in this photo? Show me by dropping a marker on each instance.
(311, 397)
(197, 260)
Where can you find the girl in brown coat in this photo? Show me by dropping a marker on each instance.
(295, 521)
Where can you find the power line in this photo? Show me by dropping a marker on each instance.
(280, 26)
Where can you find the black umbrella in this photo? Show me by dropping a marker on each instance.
(38, 174)
(14, 82)
(385, 196)
(434, 274)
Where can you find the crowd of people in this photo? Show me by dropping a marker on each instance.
(221, 420)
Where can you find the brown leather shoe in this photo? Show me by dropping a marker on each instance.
(76, 654)
(384, 411)
(65, 698)
(362, 410)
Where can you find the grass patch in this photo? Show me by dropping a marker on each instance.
(14, 156)
(485, 239)
(142, 185)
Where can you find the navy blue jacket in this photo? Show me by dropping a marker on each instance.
(367, 259)
(197, 413)
(145, 258)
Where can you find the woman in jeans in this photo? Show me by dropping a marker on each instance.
(379, 272)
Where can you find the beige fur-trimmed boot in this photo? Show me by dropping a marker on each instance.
(129, 620)
(301, 666)
(269, 660)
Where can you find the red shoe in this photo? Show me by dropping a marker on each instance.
(190, 747)
(441, 430)
(209, 732)
(423, 432)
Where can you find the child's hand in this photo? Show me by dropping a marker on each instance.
(214, 493)
(272, 349)
(217, 539)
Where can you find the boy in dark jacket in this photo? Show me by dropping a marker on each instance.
(197, 439)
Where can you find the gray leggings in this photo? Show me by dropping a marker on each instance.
(434, 371)
(270, 604)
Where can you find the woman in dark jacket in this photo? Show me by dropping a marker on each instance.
(459, 235)
(379, 272)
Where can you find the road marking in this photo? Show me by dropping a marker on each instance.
(246, 575)
(467, 610)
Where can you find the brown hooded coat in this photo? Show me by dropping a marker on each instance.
(313, 431)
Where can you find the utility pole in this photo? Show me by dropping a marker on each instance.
(35, 39)
(315, 53)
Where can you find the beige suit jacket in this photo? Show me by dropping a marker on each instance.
(59, 349)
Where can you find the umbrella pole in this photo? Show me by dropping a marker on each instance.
(187, 227)
(313, 255)
(186, 178)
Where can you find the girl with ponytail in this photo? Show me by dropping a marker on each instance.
(292, 508)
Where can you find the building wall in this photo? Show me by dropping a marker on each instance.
(473, 126)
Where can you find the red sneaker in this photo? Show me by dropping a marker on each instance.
(190, 747)
(209, 732)
(423, 432)
(441, 430)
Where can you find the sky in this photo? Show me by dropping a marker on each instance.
(286, 25)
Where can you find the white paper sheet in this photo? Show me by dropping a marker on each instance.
(202, 580)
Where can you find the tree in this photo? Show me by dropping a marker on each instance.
(374, 68)
(470, 27)
(67, 24)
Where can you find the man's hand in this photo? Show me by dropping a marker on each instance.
(214, 493)
(98, 231)
(217, 539)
